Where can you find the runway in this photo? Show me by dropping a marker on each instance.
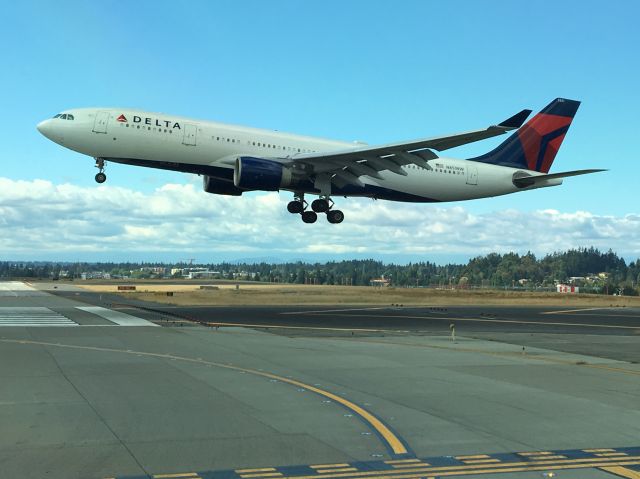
(336, 392)
(608, 332)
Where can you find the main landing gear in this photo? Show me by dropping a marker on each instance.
(100, 177)
(321, 205)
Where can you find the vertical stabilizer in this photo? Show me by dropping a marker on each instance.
(535, 145)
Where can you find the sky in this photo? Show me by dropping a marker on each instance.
(357, 70)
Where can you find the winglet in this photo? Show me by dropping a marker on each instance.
(516, 120)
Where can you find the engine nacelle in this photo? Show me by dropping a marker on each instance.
(260, 174)
(220, 187)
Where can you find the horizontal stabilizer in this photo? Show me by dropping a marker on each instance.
(516, 120)
(524, 181)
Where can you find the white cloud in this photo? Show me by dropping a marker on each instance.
(38, 218)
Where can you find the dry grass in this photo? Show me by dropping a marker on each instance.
(267, 294)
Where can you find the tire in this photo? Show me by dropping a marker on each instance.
(309, 217)
(101, 178)
(335, 216)
(295, 207)
(320, 205)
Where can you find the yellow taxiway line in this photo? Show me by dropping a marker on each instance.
(621, 471)
(391, 440)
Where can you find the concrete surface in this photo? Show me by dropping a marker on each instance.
(138, 401)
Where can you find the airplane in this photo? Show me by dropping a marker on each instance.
(235, 159)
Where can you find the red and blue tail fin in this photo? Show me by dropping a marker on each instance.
(535, 144)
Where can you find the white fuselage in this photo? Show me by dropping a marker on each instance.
(155, 138)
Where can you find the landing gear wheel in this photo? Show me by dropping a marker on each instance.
(100, 177)
(309, 217)
(295, 207)
(335, 216)
(320, 205)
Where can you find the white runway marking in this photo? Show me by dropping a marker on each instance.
(18, 288)
(336, 310)
(566, 311)
(32, 316)
(116, 317)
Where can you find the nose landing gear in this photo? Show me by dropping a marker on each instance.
(100, 177)
(321, 205)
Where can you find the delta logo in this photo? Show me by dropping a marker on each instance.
(150, 122)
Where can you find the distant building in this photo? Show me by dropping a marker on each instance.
(380, 282)
(567, 288)
(95, 275)
(203, 274)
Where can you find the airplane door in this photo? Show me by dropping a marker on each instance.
(100, 123)
(472, 175)
(189, 135)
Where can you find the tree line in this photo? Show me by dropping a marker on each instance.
(589, 268)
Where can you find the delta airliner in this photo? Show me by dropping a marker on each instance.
(234, 159)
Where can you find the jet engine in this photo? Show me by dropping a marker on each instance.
(220, 187)
(260, 174)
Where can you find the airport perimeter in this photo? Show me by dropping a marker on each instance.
(101, 386)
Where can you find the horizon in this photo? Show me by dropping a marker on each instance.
(312, 261)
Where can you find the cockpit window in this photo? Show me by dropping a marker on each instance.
(63, 116)
(70, 117)
(57, 116)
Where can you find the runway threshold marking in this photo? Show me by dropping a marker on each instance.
(390, 440)
(449, 466)
(483, 320)
(116, 317)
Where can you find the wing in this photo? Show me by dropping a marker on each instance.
(346, 166)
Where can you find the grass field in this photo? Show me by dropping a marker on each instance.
(254, 294)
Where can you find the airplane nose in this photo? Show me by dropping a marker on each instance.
(44, 127)
(50, 131)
